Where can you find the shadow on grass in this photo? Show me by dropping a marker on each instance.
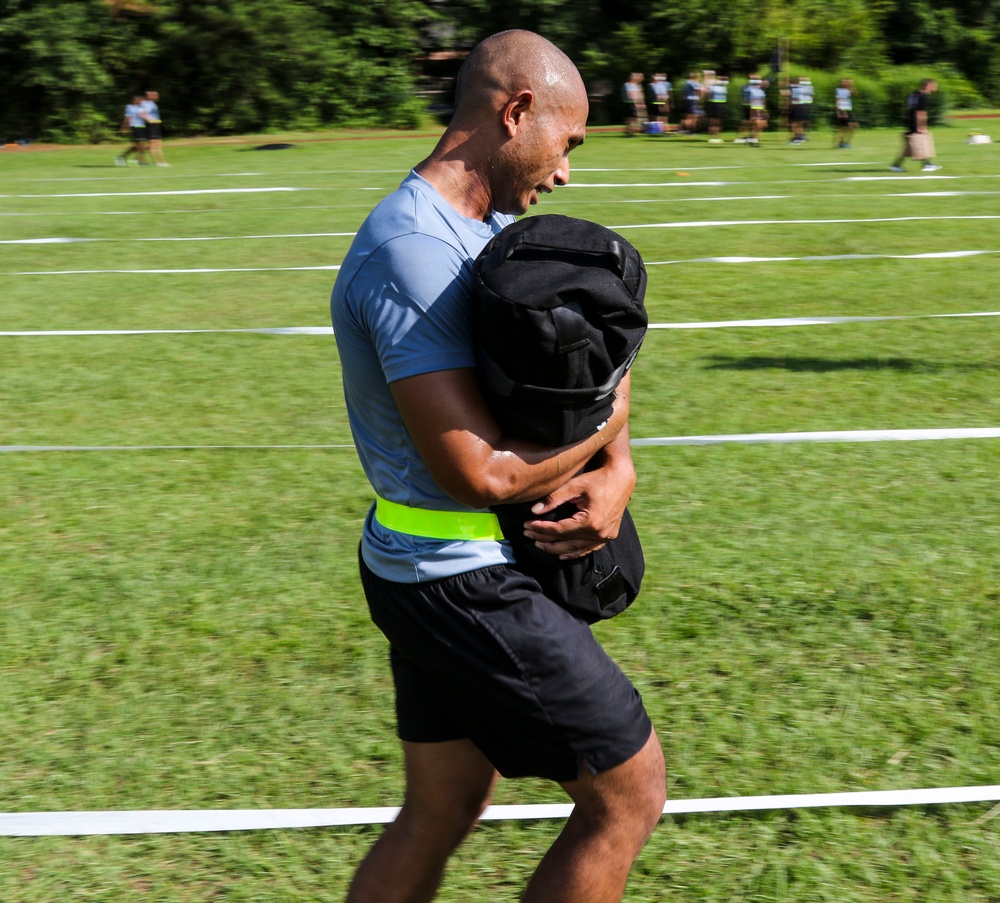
(828, 365)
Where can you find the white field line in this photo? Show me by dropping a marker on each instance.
(715, 224)
(171, 272)
(549, 204)
(915, 435)
(178, 821)
(71, 241)
(821, 258)
(732, 259)
(679, 182)
(328, 330)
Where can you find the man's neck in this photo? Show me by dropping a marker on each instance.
(458, 180)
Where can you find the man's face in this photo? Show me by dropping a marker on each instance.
(536, 159)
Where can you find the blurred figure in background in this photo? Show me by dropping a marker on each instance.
(918, 142)
(801, 96)
(843, 113)
(635, 104)
(718, 90)
(694, 94)
(659, 98)
(154, 126)
(135, 124)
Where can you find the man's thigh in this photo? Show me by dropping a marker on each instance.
(487, 656)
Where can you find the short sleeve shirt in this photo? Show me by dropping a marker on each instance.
(133, 113)
(401, 307)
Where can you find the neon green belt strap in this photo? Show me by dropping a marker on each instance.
(478, 525)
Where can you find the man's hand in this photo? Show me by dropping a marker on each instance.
(600, 496)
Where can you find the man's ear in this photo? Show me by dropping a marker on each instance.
(513, 112)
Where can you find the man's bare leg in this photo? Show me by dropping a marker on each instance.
(615, 813)
(448, 785)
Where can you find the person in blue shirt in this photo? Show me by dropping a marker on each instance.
(154, 126)
(694, 95)
(135, 124)
(801, 96)
(659, 99)
(718, 90)
(491, 676)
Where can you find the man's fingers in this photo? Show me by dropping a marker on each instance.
(569, 549)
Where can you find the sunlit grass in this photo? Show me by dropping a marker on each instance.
(184, 628)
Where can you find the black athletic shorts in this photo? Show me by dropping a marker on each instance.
(485, 656)
(154, 131)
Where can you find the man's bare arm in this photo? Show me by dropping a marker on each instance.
(466, 452)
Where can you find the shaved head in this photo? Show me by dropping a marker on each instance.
(520, 108)
(508, 62)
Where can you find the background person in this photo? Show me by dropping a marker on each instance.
(918, 142)
(635, 104)
(154, 126)
(659, 98)
(135, 124)
(490, 675)
(755, 108)
(694, 93)
(718, 91)
(801, 97)
(843, 113)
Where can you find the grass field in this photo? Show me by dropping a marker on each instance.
(181, 619)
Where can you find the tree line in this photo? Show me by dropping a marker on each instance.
(67, 67)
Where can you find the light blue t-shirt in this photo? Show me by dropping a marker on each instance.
(401, 306)
(133, 112)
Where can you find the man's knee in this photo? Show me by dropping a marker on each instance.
(630, 795)
(652, 781)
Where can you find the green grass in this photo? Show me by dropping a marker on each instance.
(184, 628)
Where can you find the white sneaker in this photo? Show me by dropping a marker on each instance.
(930, 167)
(897, 169)
(121, 161)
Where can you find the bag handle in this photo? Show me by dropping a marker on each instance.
(505, 249)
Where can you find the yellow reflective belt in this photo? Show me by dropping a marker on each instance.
(479, 525)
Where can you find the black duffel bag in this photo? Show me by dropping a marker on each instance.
(559, 321)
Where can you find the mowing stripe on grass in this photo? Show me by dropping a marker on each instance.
(168, 821)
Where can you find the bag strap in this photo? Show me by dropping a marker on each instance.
(500, 383)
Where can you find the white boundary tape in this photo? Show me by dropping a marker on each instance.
(713, 224)
(149, 272)
(166, 821)
(328, 330)
(830, 436)
(923, 435)
(818, 258)
(731, 259)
